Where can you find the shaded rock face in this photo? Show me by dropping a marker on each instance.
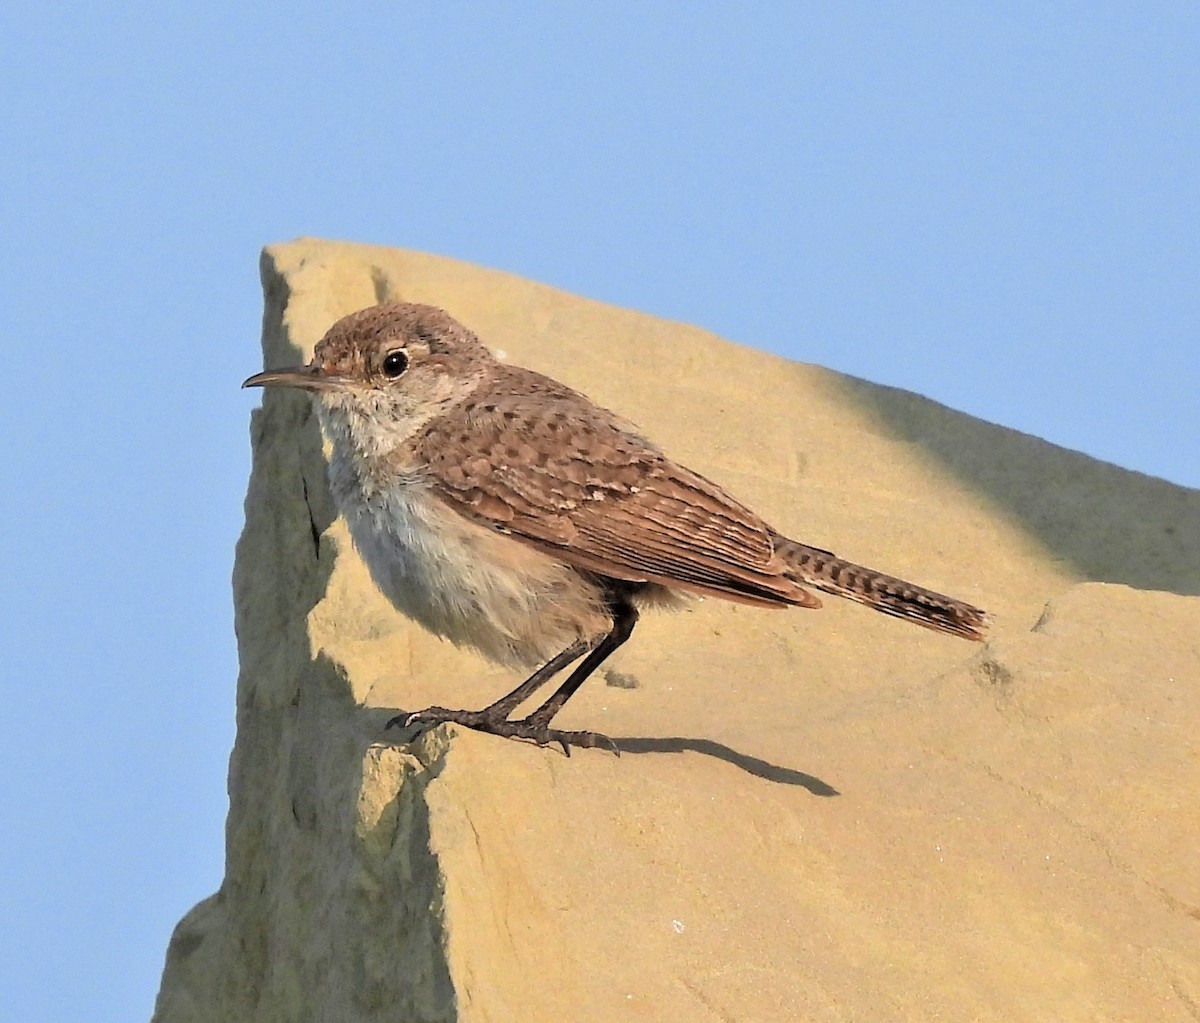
(820, 815)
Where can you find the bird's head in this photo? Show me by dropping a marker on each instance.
(387, 369)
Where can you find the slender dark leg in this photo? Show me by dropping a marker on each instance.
(507, 704)
(494, 717)
(625, 617)
(499, 711)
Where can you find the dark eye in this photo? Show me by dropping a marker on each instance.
(394, 363)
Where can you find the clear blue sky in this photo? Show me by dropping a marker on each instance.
(992, 204)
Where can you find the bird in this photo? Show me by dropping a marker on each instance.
(506, 512)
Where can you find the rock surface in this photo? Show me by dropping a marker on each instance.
(822, 815)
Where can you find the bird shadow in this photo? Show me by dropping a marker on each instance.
(387, 722)
(710, 748)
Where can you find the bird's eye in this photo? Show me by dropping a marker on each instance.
(395, 363)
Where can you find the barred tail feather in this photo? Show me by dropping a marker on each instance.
(831, 574)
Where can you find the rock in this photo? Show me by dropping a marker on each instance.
(819, 815)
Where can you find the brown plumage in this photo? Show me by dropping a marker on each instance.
(507, 511)
(587, 490)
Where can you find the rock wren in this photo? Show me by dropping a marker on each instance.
(507, 512)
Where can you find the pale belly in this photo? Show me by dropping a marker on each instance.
(468, 584)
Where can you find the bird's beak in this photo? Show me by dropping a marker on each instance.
(308, 378)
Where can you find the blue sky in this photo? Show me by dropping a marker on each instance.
(993, 205)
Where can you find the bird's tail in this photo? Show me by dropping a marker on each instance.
(824, 571)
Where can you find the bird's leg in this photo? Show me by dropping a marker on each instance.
(504, 706)
(494, 718)
(536, 725)
(625, 617)
(497, 712)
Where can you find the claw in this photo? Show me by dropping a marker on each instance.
(405, 720)
(533, 730)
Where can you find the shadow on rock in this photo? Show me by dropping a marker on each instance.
(378, 720)
(753, 765)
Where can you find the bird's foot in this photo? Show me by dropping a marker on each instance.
(526, 728)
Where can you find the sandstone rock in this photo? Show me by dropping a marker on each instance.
(822, 815)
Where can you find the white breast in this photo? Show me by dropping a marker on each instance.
(465, 582)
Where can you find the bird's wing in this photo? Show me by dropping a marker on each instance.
(535, 460)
